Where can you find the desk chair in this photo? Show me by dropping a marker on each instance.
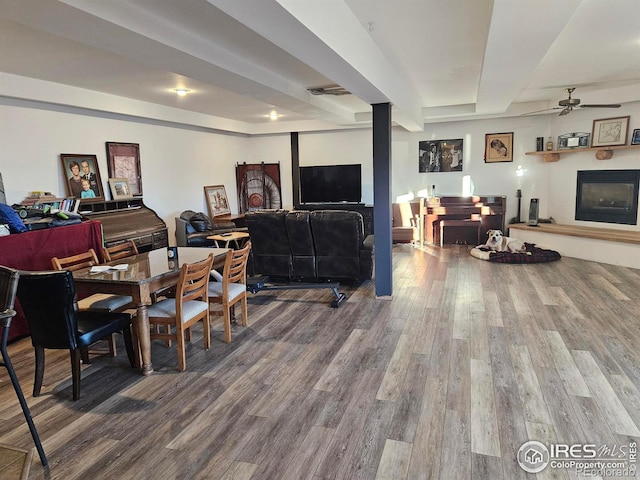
(48, 301)
(188, 307)
(8, 285)
(231, 288)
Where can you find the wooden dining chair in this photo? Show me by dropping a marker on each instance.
(190, 305)
(231, 288)
(122, 250)
(100, 302)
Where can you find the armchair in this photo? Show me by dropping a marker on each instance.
(406, 222)
(192, 229)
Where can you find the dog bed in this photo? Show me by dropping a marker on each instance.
(533, 255)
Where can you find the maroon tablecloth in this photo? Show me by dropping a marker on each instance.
(33, 251)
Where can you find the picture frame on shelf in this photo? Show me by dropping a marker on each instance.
(440, 155)
(635, 138)
(570, 141)
(217, 200)
(120, 188)
(82, 176)
(123, 161)
(610, 132)
(498, 147)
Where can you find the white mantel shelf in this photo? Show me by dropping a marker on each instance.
(602, 153)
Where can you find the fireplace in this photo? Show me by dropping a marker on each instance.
(609, 196)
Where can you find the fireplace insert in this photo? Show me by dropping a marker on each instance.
(609, 196)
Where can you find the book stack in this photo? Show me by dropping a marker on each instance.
(47, 201)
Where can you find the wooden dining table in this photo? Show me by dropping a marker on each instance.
(145, 274)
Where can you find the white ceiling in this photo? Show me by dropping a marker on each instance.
(434, 60)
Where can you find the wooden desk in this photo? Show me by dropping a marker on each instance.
(147, 273)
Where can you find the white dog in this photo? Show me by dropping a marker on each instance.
(498, 242)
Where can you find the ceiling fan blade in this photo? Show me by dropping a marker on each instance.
(540, 111)
(602, 105)
(566, 111)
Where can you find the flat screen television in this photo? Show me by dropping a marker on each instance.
(331, 183)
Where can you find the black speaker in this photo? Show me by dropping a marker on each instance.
(533, 213)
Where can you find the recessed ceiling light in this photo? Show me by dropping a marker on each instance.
(181, 92)
(273, 115)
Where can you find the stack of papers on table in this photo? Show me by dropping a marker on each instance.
(104, 268)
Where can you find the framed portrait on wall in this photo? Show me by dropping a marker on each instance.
(610, 132)
(440, 155)
(498, 147)
(82, 176)
(123, 161)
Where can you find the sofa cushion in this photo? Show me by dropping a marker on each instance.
(201, 222)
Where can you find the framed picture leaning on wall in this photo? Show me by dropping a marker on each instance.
(120, 189)
(217, 200)
(82, 176)
(123, 160)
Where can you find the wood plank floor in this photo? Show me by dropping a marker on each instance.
(469, 361)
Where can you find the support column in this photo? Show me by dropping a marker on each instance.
(382, 199)
(295, 170)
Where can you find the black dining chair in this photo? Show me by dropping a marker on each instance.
(8, 285)
(49, 305)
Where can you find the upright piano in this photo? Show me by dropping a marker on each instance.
(490, 210)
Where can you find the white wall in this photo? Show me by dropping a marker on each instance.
(177, 163)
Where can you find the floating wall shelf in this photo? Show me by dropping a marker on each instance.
(602, 153)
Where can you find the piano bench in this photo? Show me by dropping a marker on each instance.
(464, 231)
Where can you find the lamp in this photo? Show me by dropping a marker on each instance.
(181, 92)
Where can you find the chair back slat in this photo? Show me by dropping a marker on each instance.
(76, 262)
(235, 267)
(122, 250)
(193, 282)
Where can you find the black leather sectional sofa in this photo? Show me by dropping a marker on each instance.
(324, 245)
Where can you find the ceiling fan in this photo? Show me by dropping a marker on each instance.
(568, 104)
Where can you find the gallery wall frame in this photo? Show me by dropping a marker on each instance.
(498, 147)
(217, 200)
(440, 155)
(123, 161)
(82, 176)
(610, 132)
(635, 138)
